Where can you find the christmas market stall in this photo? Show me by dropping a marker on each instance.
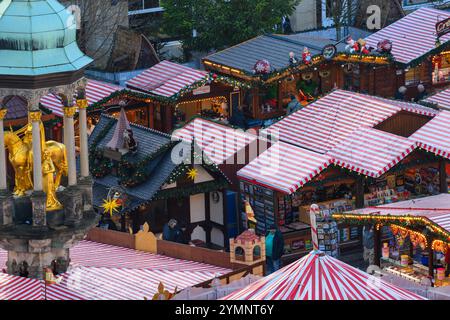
(440, 99)
(421, 54)
(229, 148)
(377, 153)
(411, 238)
(168, 95)
(263, 62)
(142, 175)
(318, 276)
(52, 105)
(269, 183)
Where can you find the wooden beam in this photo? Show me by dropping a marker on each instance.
(377, 245)
(359, 186)
(443, 185)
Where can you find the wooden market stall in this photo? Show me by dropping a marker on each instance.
(168, 95)
(420, 237)
(377, 151)
(279, 68)
(421, 52)
(151, 186)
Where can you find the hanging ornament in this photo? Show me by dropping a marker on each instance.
(111, 206)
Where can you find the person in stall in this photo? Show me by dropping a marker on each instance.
(369, 244)
(293, 106)
(421, 93)
(401, 92)
(274, 249)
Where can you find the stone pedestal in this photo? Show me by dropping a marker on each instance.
(85, 184)
(31, 257)
(6, 208)
(38, 201)
(73, 206)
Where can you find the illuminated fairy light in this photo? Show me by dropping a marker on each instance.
(381, 219)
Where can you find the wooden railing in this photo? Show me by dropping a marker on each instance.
(258, 269)
(166, 248)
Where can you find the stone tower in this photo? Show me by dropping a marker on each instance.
(39, 55)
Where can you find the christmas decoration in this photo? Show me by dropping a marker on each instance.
(192, 174)
(262, 67)
(306, 56)
(111, 206)
(292, 59)
(384, 46)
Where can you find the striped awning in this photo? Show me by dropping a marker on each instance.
(284, 167)
(92, 283)
(218, 142)
(412, 36)
(321, 277)
(18, 288)
(435, 135)
(371, 152)
(95, 91)
(436, 209)
(105, 272)
(323, 124)
(166, 78)
(442, 99)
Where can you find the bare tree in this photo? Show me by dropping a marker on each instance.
(99, 21)
(342, 13)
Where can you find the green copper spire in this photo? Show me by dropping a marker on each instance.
(38, 37)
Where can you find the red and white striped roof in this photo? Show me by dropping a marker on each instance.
(166, 78)
(442, 99)
(324, 123)
(284, 167)
(105, 272)
(371, 152)
(434, 208)
(217, 141)
(95, 91)
(321, 277)
(435, 135)
(92, 283)
(412, 36)
(18, 288)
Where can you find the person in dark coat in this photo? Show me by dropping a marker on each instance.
(172, 232)
(274, 249)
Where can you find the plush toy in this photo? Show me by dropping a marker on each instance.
(363, 47)
(384, 46)
(306, 56)
(292, 59)
(352, 45)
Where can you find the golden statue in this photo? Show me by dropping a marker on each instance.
(54, 163)
(48, 172)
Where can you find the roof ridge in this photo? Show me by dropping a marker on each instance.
(140, 126)
(285, 39)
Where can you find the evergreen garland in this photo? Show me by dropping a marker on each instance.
(178, 193)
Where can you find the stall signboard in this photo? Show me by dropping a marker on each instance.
(329, 51)
(443, 27)
(202, 90)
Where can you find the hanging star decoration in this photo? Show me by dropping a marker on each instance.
(110, 206)
(192, 174)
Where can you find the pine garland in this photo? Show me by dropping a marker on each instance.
(178, 193)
